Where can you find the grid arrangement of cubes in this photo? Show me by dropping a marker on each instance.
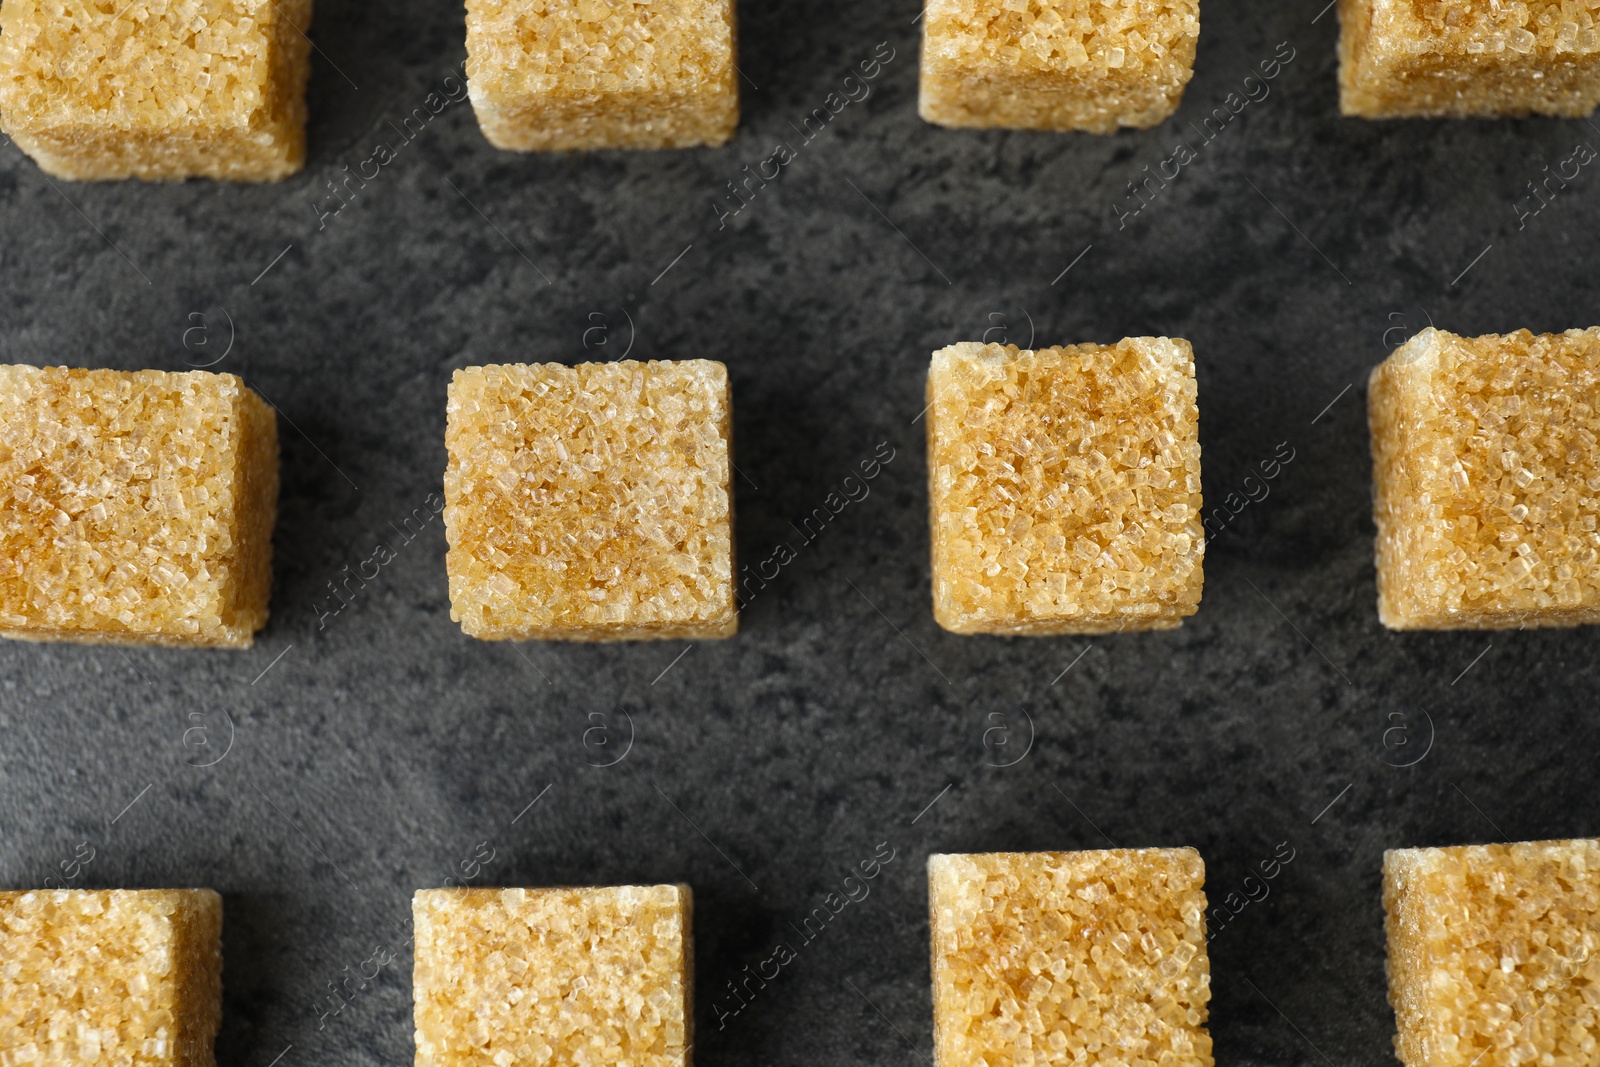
(1093, 65)
(1070, 958)
(1486, 481)
(115, 976)
(1463, 58)
(135, 507)
(591, 503)
(157, 89)
(584, 74)
(1064, 487)
(528, 977)
(1494, 953)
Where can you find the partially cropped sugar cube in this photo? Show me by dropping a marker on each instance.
(117, 976)
(1084, 958)
(591, 503)
(1093, 65)
(1064, 487)
(157, 90)
(1486, 481)
(1494, 954)
(581, 74)
(536, 977)
(1468, 58)
(135, 507)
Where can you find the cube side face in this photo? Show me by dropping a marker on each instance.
(1023, 944)
(637, 120)
(591, 503)
(1404, 532)
(131, 976)
(197, 952)
(579, 74)
(256, 491)
(1420, 59)
(138, 507)
(1069, 65)
(1494, 952)
(526, 977)
(1486, 474)
(1064, 488)
(136, 94)
(1408, 929)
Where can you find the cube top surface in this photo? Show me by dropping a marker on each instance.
(1494, 953)
(570, 75)
(110, 976)
(1091, 957)
(1089, 65)
(134, 506)
(1065, 487)
(154, 65)
(553, 909)
(1089, 37)
(1542, 29)
(591, 502)
(1487, 480)
(160, 90)
(599, 46)
(1422, 58)
(1578, 855)
(515, 977)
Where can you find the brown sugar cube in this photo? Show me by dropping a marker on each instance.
(1090, 65)
(1468, 58)
(115, 976)
(135, 507)
(1078, 958)
(1064, 487)
(1494, 954)
(530, 977)
(590, 503)
(1486, 481)
(157, 89)
(554, 75)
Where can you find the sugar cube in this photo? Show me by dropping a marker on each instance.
(1056, 958)
(1064, 487)
(590, 503)
(529, 977)
(135, 507)
(1092, 65)
(117, 976)
(159, 91)
(1493, 956)
(1467, 59)
(580, 74)
(1486, 481)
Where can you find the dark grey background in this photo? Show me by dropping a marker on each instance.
(381, 751)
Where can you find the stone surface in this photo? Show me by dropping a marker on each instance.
(117, 976)
(1493, 953)
(399, 746)
(157, 89)
(584, 74)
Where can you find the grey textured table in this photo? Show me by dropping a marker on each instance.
(321, 777)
